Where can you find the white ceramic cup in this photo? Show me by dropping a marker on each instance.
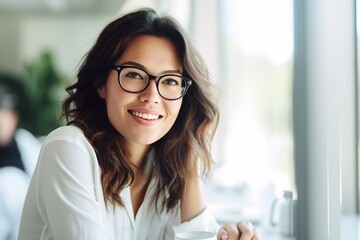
(195, 235)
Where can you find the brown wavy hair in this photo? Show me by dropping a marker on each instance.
(191, 134)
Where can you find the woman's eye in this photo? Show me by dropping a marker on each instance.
(134, 75)
(171, 82)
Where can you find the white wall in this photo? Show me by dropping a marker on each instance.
(68, 38)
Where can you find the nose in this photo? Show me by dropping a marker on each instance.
(150, 94)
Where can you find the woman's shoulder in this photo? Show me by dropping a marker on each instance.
(72, 134)
(68, 138)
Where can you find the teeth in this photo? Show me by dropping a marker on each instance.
(145, 115)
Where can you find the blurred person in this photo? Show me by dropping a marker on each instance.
(129, 163)
(19, 151)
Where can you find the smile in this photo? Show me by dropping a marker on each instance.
(146, 116)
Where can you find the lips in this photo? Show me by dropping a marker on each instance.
(146, 116)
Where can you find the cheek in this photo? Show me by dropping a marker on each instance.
(115, 103)
(174, 109)
(114, 95)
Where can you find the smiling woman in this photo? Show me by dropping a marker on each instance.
(129, 163)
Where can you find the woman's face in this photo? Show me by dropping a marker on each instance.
(126, 111)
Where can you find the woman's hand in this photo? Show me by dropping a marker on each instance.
(238, 231)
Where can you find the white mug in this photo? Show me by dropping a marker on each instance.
(195, 235)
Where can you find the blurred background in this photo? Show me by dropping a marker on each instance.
(249, 48)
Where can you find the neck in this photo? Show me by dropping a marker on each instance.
(137, 153)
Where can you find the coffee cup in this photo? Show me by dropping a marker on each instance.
(195, 235)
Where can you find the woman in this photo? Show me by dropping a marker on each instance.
(127, 165)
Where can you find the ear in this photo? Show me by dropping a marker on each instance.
(101, 92)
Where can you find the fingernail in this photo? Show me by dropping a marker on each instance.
(225, 237)
(224, 234)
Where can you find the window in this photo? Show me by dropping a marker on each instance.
(253, 66)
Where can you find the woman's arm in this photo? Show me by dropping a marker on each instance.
(192, 199)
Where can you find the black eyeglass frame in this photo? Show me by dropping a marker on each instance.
(187, 81)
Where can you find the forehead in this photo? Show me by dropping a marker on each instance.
(156, 54)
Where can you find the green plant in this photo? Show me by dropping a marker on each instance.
(45, 89)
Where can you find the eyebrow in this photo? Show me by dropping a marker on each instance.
(135, 64)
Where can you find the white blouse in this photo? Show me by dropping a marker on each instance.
(65, 199)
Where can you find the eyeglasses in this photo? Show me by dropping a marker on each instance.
(135, 80)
